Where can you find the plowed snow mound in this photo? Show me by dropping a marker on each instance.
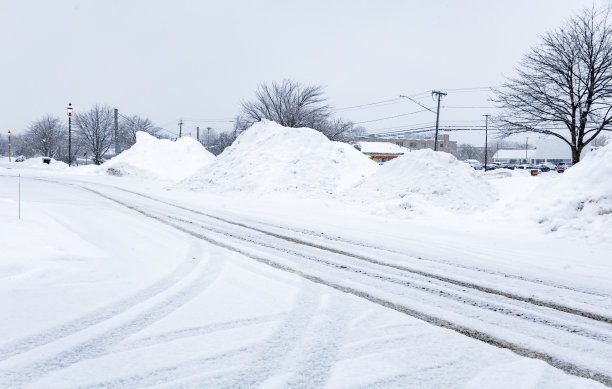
(579, 201)
(417, 180)
(271, 158)
(163, 159)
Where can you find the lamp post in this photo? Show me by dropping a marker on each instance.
(69, 134)
(9, 133)
(486, 139)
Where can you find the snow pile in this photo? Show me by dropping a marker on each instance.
(382, 148)
(579, 200)
(163, 159)
(37, 163)
(271, 158)
(420, 179)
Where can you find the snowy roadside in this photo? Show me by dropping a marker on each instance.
(153, 317)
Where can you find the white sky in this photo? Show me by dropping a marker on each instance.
(197, 60)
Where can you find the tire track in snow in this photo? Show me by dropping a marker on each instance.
(482, 300)
(71, 327)
(97, 346)
(567, 366)
(266, 357)
(171, 336)
(316, 354)
(528, 299)
(359, 244)
(250, 365)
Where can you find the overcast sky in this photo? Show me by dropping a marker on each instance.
(197, 60)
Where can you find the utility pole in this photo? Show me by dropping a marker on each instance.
(69, 134)
(116, 132)
(181, 128)
(440, 94)
(486, 139)
(198, 133)
(208, 142)
(526, 143)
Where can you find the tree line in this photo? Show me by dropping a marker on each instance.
(563, 88)
(93, 134)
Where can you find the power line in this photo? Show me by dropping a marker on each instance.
(365, 105)
(417, 103)
(478, 88)
(390, 117)
(467, 107)
(376, 104)
(208, 121)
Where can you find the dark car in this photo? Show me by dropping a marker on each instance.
(543, 168)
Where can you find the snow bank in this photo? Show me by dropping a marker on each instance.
(420, 179)
(271, 158)
(35, 163)
(579, 201)
(164, 159)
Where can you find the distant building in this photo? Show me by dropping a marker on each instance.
(444, 143)
(515, 156)
(548, 149)
(381, 152)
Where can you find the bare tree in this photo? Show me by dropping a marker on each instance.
(289, 104)
(564, 85)
(241, 124)
(600, 141)
(130, 125)
(46, 136)
(96, 130)
(467, 151)
(337, 129)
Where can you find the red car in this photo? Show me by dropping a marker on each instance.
(562, 167)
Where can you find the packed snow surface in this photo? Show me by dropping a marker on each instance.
(579, 201)
(420, 179)
(154, 158)
(382, 147)
(269, 158)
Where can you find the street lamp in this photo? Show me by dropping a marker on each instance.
(486, 139)
(69, 134)
(9, 146)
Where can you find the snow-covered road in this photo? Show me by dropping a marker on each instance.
(196, 299)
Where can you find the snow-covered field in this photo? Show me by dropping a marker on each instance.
(293, 261)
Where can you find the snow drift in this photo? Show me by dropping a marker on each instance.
(579, 200)
(154, 158)
(271, 158)
(420, 179)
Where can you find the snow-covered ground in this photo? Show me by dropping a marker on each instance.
(294, 262)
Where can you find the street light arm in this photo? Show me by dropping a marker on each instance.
(416, 102)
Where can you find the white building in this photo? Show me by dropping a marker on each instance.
(548, 149)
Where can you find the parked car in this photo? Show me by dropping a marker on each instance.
(474, 163)
(21, 158)
(510, 166)
(544, 168)
(562, 167)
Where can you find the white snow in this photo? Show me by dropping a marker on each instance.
(579, 201)
(382, 148)
(269, 158)
(420, 180)
(98, 289)
(163, 159)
